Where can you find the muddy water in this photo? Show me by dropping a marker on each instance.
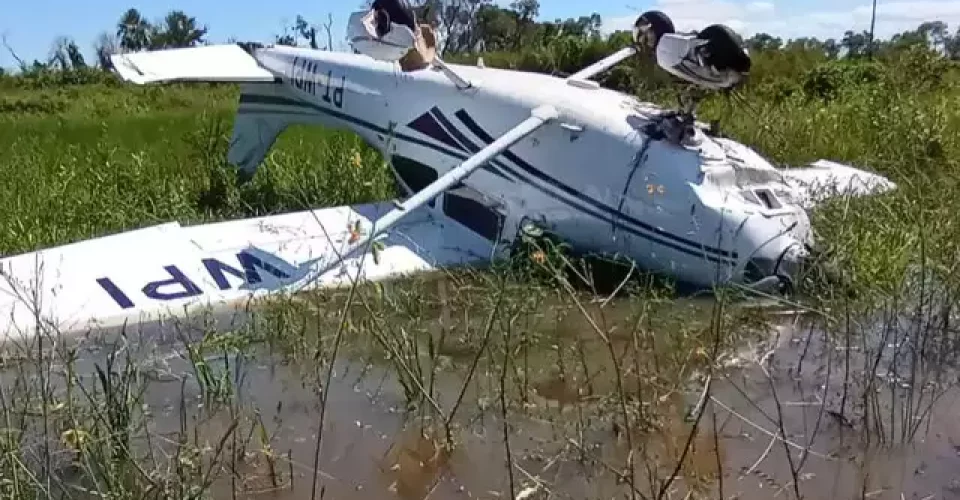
(840, 444)
(566, 432)
(370, 449)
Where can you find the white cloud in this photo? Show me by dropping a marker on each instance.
(749, 17)
(759, 7)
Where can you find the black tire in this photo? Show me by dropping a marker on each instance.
(724, 49)
(397, 12)
(659, 22)
(383, 22)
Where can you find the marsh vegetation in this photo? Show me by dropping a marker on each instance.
(529, 380)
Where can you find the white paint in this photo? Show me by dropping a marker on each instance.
(222, 63)
(616, 186)
(71, 301)
(361, 32)
(825, 179)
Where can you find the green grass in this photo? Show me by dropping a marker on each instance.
(145, 157)
(87, 160)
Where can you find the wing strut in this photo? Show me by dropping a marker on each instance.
(538, 117)
(604, 64)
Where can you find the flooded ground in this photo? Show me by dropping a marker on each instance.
(863, 451)
(445, 392)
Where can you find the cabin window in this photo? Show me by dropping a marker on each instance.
(415, 175)
(461, 203)
(768, 199)
(763, 197)
(467, 206)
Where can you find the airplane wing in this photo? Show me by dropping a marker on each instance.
(170, 271)
(209, 63)
(149, 274)
(823, 180)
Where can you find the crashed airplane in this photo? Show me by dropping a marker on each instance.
(483, 155)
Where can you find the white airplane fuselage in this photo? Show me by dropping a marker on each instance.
(601, 177)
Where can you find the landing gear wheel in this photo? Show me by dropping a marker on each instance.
(530, 229)
(532, 239)
(722, 50)
(383, 22)
(786, 287)
(650, 27)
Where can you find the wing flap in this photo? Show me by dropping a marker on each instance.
(210, 63)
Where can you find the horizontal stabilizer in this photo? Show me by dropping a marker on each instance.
(824, 179)
(169, 271)
(210, 63)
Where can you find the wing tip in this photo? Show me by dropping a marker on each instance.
(126, 69)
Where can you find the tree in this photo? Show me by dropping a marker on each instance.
(65, 55)
(287, 38)
(952, 46)
(175, 30)
(856, 44)
(934, 33)
(831, 48)
(582, 27)
(526, 11)
(104, 47)
(308, 32)
(133, 31)
(762, 42)
(495, 27)
(455, 22)
(178, 30)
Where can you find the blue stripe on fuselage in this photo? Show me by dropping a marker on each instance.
(571, 193)
(692, 248)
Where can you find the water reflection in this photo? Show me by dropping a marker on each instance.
(248, 417)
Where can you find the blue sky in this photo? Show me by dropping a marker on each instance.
(31, 26)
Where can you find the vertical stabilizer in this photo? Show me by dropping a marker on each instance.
(262, 115)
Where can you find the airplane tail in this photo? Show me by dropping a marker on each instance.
(262, 114)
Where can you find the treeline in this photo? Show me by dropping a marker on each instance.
(513, 37)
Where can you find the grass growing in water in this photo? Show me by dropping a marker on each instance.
(577, 398)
